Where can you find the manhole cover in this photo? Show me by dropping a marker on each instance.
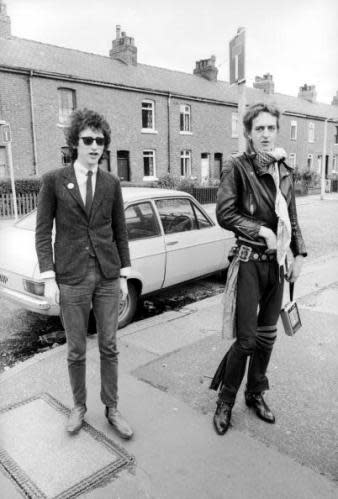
(44, 460)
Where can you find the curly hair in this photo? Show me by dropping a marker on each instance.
(255, 110)
(80, 120)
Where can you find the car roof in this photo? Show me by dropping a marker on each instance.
(136, 193)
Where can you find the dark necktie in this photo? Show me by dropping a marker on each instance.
(89, 192)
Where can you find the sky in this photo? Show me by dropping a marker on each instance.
(294, 40)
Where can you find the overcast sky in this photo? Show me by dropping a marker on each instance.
(294, 40)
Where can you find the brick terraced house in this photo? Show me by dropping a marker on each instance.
(162, 120)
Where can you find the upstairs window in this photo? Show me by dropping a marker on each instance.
(148, 115)
(185, 118)
(67, 104)
(293, 130)
(234, 125)
(311, 132)
(186, 163)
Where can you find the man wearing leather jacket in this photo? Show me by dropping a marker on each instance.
(256, 201)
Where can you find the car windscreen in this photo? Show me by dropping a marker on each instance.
(28, 222)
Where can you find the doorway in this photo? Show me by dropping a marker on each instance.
(123, 167)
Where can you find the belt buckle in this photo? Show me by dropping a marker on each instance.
(244, 253)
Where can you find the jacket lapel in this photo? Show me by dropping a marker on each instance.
(72, 187)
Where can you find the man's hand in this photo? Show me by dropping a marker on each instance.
(124, 287)
(269, 236)
(295, 269)
(52, 292)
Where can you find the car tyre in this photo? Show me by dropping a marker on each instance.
(128, 306)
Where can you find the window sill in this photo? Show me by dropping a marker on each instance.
(183, 132)
(149, 130)
(149, 179)
(61, 125)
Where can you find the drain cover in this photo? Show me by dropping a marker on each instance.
(44, 460)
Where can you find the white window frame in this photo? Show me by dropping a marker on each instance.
(293, 130)
(292, 159)
(309, 162)
(150, 154)
(65, 112)
(185, 163)
(311, 131)
(185, 116)
(234, 125)
(148, 106)
(334, 163)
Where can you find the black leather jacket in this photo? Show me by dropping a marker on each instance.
(246, 200)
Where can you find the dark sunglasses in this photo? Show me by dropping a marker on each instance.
(89, 140)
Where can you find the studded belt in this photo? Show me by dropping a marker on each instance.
(246, 253)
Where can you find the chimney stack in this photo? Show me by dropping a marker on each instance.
(5, 21)
(123, 48)
(206, 68)
(308, 92)
(335, 99)
(265, 83)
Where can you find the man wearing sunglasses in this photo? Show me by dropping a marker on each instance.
(91, 258)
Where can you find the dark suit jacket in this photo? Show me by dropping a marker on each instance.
(76, 234)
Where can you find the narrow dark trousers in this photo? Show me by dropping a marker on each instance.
(76, 301)
(259, 298)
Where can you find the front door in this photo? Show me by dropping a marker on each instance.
(123, 170)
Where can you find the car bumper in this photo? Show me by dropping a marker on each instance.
(29, 302)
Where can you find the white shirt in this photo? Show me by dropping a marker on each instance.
(81, 178)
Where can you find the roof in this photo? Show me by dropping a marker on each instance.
(138, 193)
(18, 53)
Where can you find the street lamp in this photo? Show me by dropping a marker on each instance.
(6, 139)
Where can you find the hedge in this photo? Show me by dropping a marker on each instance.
(23, 186)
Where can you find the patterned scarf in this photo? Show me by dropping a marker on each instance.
(267, 162)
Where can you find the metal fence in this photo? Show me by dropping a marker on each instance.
(24, 202)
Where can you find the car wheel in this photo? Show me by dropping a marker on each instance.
(128, 306)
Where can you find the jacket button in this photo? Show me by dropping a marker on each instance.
(87, 248)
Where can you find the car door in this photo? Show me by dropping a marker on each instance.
(146, 245)
(194, 244)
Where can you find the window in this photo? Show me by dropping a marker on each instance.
(3, 161)
(319, 163)
(334, 163)
(292, 159)
(66, 156)
(336, 136)
(186, 163)
(293, 130)
(149, 167)
(202, 221)
(311, 132)
(185, 118)
(67, 104)
(309, 161)
(234, 125)
(148, 115)
(177, 215)
(141, 221)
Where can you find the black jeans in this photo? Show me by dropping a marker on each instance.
(259, 298)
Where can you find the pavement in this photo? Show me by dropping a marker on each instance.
(177, 453)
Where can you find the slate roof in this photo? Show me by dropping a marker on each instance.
(25, 54)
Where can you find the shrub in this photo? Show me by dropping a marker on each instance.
(22, 186)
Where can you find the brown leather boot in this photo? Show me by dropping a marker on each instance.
(116, 419)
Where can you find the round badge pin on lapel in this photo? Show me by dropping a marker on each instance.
(70, 185)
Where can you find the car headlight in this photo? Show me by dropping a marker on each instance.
(34, 287)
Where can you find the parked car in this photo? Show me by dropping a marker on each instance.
(172, 239)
